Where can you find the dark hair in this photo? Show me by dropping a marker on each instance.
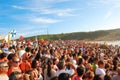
(61, 64)
(91, 59)
(100, 62)
(54, 78)
(32, 51)
(64, 76)
(28, 49)
(49, 63)
(97, 77)
(107, 66)
(38, 56)
(107, 77)
(13, 75)
(80, 60)
(21, 46)
(85, 57)
(3, 55)
(54, 59)
(28, 71)
(10, 48)
(80, 71)
(10, 56)
(115, 63)
(34, 63)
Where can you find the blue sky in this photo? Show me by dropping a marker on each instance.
(36, 17)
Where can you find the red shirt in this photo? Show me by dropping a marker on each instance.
(76, 77)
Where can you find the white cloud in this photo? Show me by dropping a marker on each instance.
(30, 33)
(18, 7)
(109, 1)
(45, 2)
(58, 12)
(44, 20)
(112, 3)
(34, 19)
(108, 15)
(101, 3)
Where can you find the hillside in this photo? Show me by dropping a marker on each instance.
(103, 35)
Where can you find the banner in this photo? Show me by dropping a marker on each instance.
(8, 38)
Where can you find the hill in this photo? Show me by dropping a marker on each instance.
(101, 35)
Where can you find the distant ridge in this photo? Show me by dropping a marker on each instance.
(100, 35)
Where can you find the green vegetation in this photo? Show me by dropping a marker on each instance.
(96, 35)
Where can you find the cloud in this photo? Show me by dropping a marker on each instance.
(58, 12)
(46, 7)
(45, 2)
(34, 19)
(102, 3)
(110, 2)
(30, 33)
(108, 15)
(44, 20)
(18, 7)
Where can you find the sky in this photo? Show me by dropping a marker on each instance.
(37, 17)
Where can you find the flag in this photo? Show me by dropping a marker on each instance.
(8, 38)
(13, 33)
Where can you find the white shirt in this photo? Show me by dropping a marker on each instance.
(100, 71)
(21, 52)
(60, 71)
(4, 77)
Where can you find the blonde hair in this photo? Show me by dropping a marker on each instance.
(118, 70)
(89, 75)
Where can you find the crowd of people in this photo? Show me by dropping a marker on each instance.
(59, 60)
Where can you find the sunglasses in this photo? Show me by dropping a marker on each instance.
(16, 61)
(4, 66)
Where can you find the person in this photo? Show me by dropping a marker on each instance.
(11, 50)
(64, 76)
(89, 75)
(16, 76)
(95, 64)
(107, 77)
(70, 68)
(28, 75)
(3, 71)
(49, 72)
(55, 62)
(54, 78)
(22, 51)
(3, 57)
(35, 66)
(100, 70)
(81, 62)
(80, 72)
(15, 65)
(97, 77)
(5, 48)
(26, 65)
(9, 58)
(26, 55)
(61, 66)
(117, 77)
